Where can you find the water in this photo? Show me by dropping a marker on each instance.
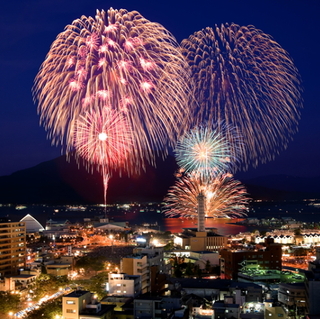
(304, 211)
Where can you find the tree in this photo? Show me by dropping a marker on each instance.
(208, 266)
(297, 231)
(197, 271)
(169, 246)
(189, 269)
(48, 310)
(90, 263)
(9, 302)
(177, 272)
(47, 284)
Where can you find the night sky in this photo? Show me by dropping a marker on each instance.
(29, 27)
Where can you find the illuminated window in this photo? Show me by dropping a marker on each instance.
(70, 302)
(70, 311)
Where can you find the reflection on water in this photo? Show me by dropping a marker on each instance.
(176, 225)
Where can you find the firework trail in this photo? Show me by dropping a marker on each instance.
(225, 197)
(120, 61)
(242, 77)
(206, 152)
(103, 138)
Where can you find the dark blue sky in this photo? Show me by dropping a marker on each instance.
(29, 27)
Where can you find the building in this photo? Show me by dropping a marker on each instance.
(32, 225)
(123, 306)
(81, 304)
(147, 307)
(252, 310)
(312, 286)
(274, 310)
(232, 261)
(226, 308)
(58, 268)
(200, 258)
(12, 247)
(124, 285)
(137, 265)
(141, 262)
(155, 257)
(194, 240)
(293, 297)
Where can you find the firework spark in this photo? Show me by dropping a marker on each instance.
(207, 151)
(103, 138)
(224, 197)
(117, 60)
(246, 79)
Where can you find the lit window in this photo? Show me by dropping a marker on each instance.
(70, 302)
(70, 311)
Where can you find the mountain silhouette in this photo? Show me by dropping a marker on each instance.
(62, 181)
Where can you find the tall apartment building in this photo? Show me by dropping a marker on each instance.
(137, 265)
(293, 296)
(312, 286)
(231, 261)
(12, 247)
(140, 263)
(155, 258)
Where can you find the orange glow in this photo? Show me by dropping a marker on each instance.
(176, 225)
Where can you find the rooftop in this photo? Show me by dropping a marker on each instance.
(77, 293)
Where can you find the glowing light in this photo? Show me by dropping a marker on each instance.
(103, 48)
(110, 28)
(146, 86)
(146, 65)
(103, 136)
(103, 94)
(242, 77)
(204, 151)
(224, 197)
(89, 69)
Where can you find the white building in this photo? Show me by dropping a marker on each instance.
(124, 285)
(32, 225)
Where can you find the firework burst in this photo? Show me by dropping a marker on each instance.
(225, 197)
(121, 61)
(245, 79)
(103, 138)
(207, 152)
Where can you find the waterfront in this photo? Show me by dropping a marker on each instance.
(304, 211)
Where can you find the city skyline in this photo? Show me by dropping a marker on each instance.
(29, 30)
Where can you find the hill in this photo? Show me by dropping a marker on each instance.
(66, 182)
(63, 182)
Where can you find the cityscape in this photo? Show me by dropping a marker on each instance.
(186, 183)
(80, 264)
